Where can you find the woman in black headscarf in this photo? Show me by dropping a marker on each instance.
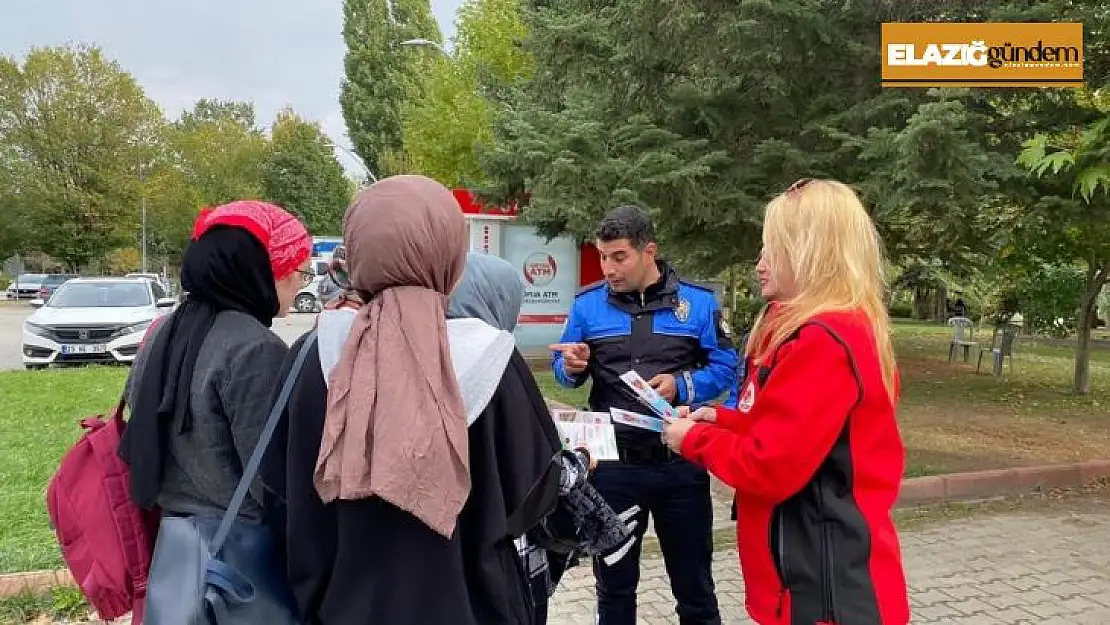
(201, 385)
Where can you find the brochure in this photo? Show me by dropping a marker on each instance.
(649, 396)
(592, 430)
(636, 420)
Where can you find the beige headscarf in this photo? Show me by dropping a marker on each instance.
(395, 425)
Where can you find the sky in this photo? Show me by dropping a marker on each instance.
(275, 53)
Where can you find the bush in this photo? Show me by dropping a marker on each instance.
(741, 319)
(5, 281)
(901, 310)
(1049, 299)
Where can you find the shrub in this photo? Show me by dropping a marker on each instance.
(901, 310)
(1049, 298)
(742, 317)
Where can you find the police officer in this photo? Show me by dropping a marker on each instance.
(644, 317)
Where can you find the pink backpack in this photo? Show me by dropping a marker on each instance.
(106, 540)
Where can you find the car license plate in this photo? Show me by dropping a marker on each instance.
(83, 349)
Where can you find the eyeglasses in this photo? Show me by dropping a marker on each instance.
(797, 186)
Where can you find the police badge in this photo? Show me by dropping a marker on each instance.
(682, 310)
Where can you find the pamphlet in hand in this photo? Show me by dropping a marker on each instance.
(592, 430)
(636, 420)
(649, 396)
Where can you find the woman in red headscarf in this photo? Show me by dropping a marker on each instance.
(201, 384)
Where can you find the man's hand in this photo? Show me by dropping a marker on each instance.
(664, 384)
(576, 356)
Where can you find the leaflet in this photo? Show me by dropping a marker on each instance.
(649, 396)
(637, 420)
(592, 430)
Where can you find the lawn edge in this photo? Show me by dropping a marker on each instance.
(997, 483)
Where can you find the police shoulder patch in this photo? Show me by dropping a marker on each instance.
(682, 309)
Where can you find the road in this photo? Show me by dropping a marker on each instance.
(12, 316)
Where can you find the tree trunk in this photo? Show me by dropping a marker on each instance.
(921, 302)
(733, 283)
(1096, 278)
(942, 303)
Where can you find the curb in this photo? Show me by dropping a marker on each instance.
(997, 483)
(15, 584)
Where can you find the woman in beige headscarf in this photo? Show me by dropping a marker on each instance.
(408, 467)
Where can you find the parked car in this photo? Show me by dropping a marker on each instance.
(25, 285)
(51, 282)
(308, 298)
(160, 279)
(90, 320)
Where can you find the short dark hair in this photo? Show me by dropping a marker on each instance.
(627, 222)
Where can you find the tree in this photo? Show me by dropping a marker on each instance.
(207, 111)
(172, 204)
(381, 75)
(13, 223)
(724, 125)
(444, 129)
(1071, 221)
(220, 152)
(73, 127)
(302, 175)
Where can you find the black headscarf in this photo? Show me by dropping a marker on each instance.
(227, 268)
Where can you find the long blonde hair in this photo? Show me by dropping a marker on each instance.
(820, 231)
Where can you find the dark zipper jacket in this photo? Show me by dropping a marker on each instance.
(674, 327)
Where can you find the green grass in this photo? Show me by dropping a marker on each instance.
(551, 389)
(42, 410)
(63, 602)
(954, 419)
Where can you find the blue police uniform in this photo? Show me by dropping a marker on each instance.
(673, 327)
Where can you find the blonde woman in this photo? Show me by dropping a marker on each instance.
(813, 448)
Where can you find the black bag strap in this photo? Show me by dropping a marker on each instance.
(260, 448)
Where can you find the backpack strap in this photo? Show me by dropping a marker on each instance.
(117, 414)
(260, 448)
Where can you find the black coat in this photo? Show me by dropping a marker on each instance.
(368, 562)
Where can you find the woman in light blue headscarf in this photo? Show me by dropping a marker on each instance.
(492, 290)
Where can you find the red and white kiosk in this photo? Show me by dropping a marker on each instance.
(553, 271)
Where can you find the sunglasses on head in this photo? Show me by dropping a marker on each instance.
(797, 186)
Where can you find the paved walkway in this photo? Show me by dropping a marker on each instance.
(1043, 568)
(1047, 567)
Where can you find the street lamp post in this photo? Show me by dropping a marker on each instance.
(358, 158)
(142, 204)
(428, 43)
(144, 231)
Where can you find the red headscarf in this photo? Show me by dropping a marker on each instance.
(286, 240)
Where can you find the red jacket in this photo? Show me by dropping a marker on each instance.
(815, 456)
